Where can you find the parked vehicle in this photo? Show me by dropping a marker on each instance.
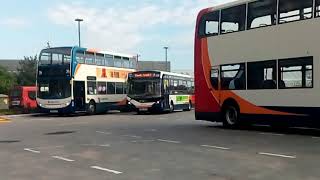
(23, 98)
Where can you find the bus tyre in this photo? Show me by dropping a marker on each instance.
(92, 108)
(171, 107)
(189, 107)
(230, 116)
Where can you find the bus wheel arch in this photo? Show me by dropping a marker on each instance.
(92, 107)
(230, 113)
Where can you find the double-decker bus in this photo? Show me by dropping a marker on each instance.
(158, 91)
(258, 60)
(23, 98)
(72, 79)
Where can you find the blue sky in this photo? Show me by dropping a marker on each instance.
(127, 26)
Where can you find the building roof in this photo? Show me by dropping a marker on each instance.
(154, 65)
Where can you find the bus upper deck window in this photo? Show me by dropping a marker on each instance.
(294, 10)
(210, 24)
(262, 13)
(233, 19)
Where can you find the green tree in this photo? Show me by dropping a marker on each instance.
(27, 71)
(7, 80)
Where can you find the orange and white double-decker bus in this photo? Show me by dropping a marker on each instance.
(258, 60)
(73, 79)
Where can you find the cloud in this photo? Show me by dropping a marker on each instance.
(15, 22)
(125, 28)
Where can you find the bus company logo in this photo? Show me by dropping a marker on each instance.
(104, 73)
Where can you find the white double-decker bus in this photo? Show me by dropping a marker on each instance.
(158, 91)
(72, 79)
(258, 60)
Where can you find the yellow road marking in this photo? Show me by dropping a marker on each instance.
(4, 120)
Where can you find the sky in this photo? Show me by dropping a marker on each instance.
(141, 27)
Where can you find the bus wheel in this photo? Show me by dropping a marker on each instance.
(230, 116)
(92, 108)
(171, 107)
(189, 107)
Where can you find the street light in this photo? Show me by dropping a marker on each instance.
(166, 55)
(137, 61)
(79, 33)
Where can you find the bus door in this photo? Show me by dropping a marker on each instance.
(165, 92)
(79, 95)
(215, 82)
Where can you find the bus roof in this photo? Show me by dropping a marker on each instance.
(230, 4)
(93, 51)
(117, 54)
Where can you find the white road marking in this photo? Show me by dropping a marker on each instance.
(62, 158)
(315, 137)
(50, 147)
(150, 130)
(107, 170)
(216, 147)
(101, 132)
(104, 145)
(272, 134)
(168, 141)
(31, 150)
(100, 145)
(133, 136)
(277, 155)
(142, 141)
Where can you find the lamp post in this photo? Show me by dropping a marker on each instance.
(138, 56)
(79, 33)
(166, 56)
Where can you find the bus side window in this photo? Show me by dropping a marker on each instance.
(233, 19)
(295, 10)
(119, 87)
(111, 88)
(100, 59)
(262, 13)
(126, 63)
(117, 61)
(91, 87)
(109, 60)
(233, 77)
(166, 86)
(80, 57)
(210, 24)
(215, 79)
(262, 75)
(90, 58)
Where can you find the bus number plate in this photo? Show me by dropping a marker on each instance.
(143, 109)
